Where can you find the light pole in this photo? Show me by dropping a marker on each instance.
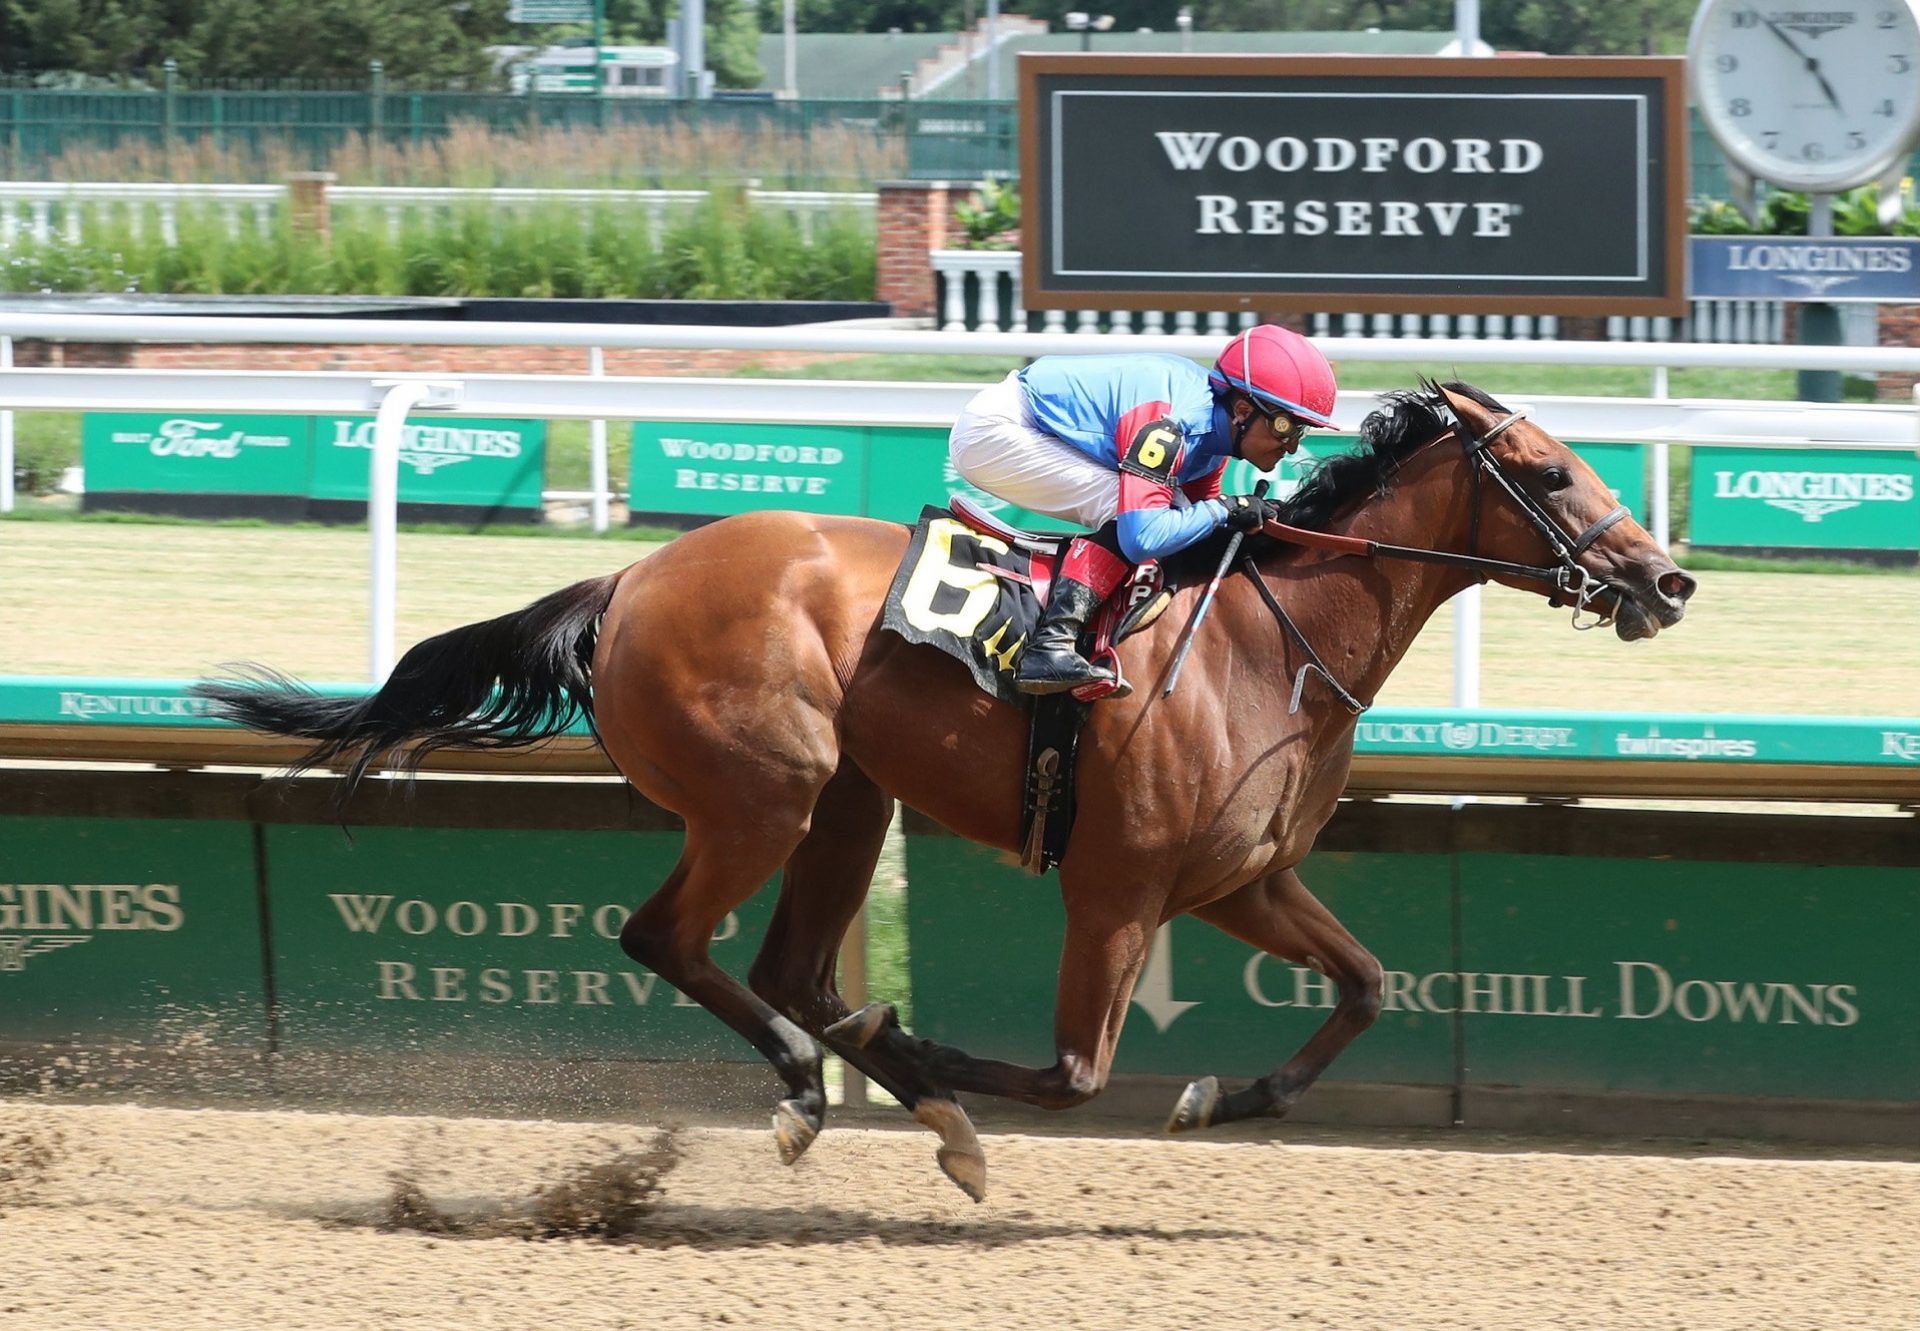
(1086, 25)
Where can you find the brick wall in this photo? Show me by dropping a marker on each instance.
(1899, 327)
(915, 219)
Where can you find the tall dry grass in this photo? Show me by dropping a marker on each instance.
(475, 155)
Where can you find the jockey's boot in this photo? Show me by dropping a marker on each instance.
(1088, 573)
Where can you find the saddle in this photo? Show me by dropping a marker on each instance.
(974, 587)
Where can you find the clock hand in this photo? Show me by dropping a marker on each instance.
(1812, 65)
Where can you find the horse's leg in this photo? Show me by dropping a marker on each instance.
(827, 878)
(1279, 916)
(1106, 945)
(720, 867)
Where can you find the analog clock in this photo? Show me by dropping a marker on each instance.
(1818, 98)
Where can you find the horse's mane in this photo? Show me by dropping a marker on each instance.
(1405, 421)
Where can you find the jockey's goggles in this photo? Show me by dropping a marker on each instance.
(1284, 424)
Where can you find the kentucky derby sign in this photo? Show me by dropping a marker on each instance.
(1520, 186)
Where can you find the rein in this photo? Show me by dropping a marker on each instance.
(1570, 580)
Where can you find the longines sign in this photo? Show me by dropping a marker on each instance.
(1521, 186)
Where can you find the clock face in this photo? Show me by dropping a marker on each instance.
(1812, 98)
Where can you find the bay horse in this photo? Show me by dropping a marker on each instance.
(739, 677)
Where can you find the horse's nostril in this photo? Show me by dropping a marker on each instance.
(1677, 586)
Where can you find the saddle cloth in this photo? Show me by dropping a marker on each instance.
(978, 597)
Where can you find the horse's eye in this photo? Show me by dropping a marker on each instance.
(1556, 478)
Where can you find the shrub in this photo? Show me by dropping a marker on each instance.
(724, 250)
(1782, 213)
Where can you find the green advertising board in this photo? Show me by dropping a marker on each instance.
(199, 453)
(1649, 975)
(454, 462)
(984, 942)
(1660, 975)
(1817, 499)
(717, 470)
(497, 942)
(908, 468)
(443, 460)
(142, 930)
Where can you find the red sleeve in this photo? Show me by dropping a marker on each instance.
(1207, 487)
(1138, 491)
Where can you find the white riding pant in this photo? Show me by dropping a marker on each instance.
(997, 446)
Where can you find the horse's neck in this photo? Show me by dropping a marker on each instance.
(1362, 615)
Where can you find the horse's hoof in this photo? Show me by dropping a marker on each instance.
(960, 1157)
(1195, 1107)
(968, 1171)
(792, 1133)
(858, 1028)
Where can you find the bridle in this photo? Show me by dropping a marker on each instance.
(1570, 581)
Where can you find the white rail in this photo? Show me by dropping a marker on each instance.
(43, 211)
(1656, 421)
(833, 339)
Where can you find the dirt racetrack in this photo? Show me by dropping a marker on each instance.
(147, 1218)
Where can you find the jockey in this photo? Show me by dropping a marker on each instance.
(1134, 447)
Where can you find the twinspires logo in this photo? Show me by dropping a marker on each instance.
(427, 448)
(1814, 494)
(1706, 745)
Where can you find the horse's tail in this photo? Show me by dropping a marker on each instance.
(506, 683)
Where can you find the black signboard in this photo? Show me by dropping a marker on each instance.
(1532, 185)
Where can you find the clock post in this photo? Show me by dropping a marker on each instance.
(1819, 319)
(1820, 99)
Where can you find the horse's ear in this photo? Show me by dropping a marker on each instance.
(1464, 408)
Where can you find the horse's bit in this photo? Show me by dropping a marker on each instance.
(1571, 581)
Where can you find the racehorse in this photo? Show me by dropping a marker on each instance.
(739, 677)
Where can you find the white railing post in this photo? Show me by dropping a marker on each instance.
(1657, 497)
(597, 366)
(1466, 648)
(953, 283)
(383, 511)
(6, 434)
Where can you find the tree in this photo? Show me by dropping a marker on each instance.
(1554, 27)
(425, 40)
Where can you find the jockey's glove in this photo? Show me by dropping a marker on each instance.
(1247, 512)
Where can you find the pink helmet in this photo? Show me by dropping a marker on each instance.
(1279, 369)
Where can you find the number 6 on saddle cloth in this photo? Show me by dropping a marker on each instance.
(974, 587)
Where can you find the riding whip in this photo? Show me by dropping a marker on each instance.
(1206, 601)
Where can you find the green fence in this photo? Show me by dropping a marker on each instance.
(819, 140)
(944, 140)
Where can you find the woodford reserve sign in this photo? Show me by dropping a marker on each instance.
(1535, 185)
